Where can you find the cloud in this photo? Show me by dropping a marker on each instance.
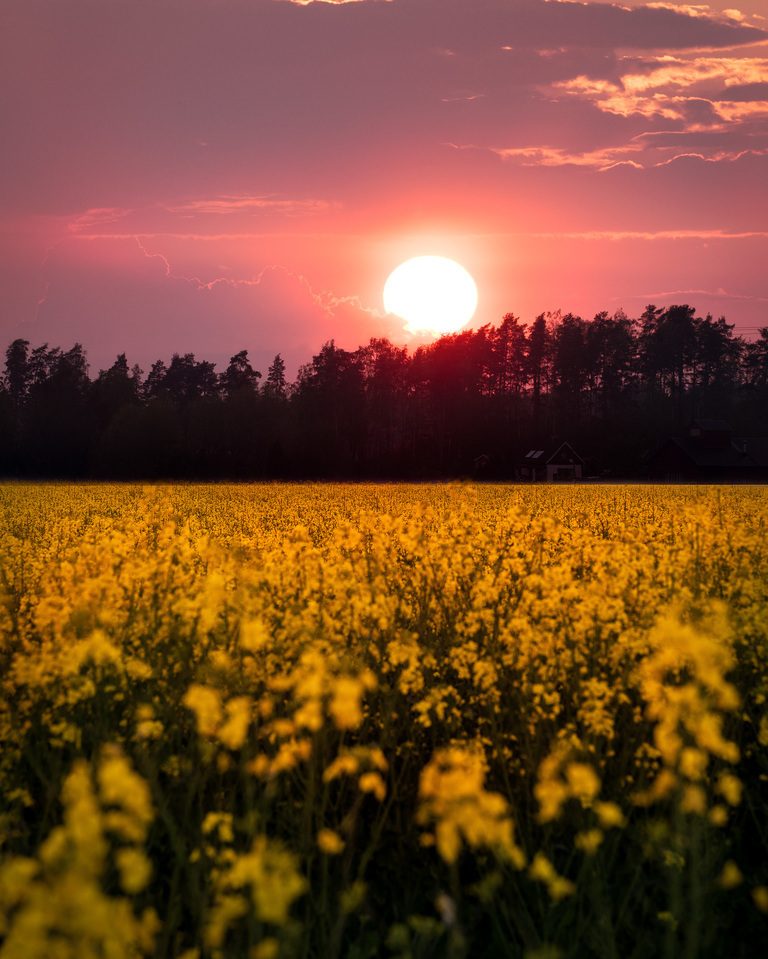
(223, 205)
(286, 135)
(549, 156)
(108, 294)
(719, 294)
(645, 151)
(284, 110)
(96, 218)
(744, 92)
(664, 86)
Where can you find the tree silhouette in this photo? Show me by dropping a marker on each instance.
(613, 386)
(537, 357)
(17, 372)
(239, 375)
(276, 384)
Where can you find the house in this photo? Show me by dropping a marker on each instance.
(554, 463)
(481, 464)
(708, 452)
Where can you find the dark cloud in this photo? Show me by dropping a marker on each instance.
(109, 103)
(744, 92)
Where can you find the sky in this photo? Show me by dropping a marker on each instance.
(214, 175)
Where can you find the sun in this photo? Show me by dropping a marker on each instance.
(432, 294)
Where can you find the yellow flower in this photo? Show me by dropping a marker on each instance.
(373, 783)
(693, 763)
(550, 795)
(542, 870)
(205, 703)
(730, 787)
(760, 897)
(589, 841)
(221, 824)
(330, 842)
(762, 735)
(123, 788)
(694, 800)
(134, 868)
(609, 814)
(254, 635)
(346, 764)
(267, 949)
(233, 731)
(269, 874)
(718, 815)
(731, 875)
(147, 727)
(345, 705)
(583, 782)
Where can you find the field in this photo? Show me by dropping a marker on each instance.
(401, 721)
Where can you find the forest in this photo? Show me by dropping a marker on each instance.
(613, 386)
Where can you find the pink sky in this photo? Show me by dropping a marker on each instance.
(214, 175)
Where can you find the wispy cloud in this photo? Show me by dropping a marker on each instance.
(665, 84)
(651, 235)
(227, 204)
(94, 217)
(717, 294)
(605, 159)
(645, 151)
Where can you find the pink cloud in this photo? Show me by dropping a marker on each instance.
(96, 218)
(223, 205)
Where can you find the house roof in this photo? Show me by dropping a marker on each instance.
(756, 448)
(560, 452)
(712, 425)
(731, 457)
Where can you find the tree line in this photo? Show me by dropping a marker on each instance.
(612, 386)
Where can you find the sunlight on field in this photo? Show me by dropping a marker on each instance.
(324, 720)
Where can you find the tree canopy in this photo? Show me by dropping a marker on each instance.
(613, 386)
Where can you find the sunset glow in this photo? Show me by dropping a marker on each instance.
(266, 168)
(432, 294)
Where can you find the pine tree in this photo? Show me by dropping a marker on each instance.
(275, 384)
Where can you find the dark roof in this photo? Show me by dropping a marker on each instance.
(756, 448)
(712, 426)
(542, 454)
(727, 457)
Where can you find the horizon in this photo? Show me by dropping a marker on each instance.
(416, 342)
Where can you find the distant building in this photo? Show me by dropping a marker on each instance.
(709, 453)
(482, 464)
(555, 463)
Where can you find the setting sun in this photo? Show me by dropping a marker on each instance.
(432, 294)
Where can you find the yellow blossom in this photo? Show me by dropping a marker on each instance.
(330, 842)
(760, 897)
(729, 786)
(583, 782)
(205, 703)
(589, 841)
(373, 783)
(609, 814)
(267, 949)
(237, 717)
(731, 875)
(134, 868)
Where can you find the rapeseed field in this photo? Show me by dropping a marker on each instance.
(283, 721)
